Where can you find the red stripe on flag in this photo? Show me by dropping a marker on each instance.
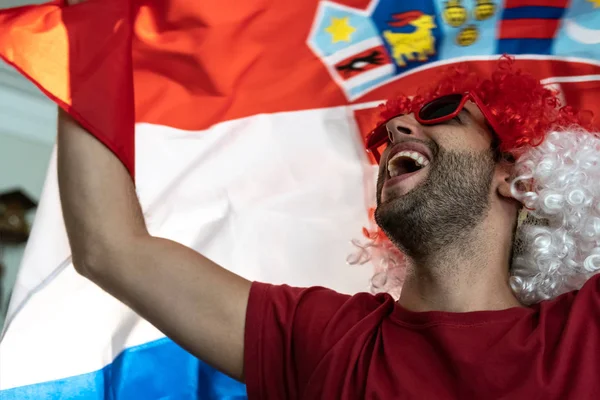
(528, 28)
(583, 96)
(362, 62)
(536, 3)
(181, 71)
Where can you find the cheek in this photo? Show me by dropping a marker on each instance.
(450, 139)
(482, 139)
(461, 139)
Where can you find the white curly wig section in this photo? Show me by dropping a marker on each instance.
(388, 262)
(557, 245)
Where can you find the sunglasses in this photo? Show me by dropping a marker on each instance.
(437, 111)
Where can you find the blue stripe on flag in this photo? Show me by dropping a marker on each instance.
(537, 12)
(525, 46)
(156, 370)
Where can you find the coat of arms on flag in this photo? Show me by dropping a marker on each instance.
(364, 49)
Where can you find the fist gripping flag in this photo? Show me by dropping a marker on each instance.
(79, 62)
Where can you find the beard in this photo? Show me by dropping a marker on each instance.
(442, 210)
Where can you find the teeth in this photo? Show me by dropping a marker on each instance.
(417, 157)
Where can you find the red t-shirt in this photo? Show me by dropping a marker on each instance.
(318, 344)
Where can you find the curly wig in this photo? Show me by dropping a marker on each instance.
(556, 178)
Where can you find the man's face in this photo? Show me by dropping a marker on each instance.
(434, 181)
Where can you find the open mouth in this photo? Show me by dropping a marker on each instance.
(406, 162)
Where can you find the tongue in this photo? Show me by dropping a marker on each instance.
(405, 166)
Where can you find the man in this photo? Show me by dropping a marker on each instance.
(447, 198)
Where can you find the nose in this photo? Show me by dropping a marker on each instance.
(401, 127)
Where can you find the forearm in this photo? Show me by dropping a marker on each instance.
(193, 300)
(99, 203)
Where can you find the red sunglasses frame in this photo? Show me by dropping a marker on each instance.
(379, 136)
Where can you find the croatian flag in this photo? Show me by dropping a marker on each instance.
(243, 125)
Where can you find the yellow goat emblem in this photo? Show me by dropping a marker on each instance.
(406, 45)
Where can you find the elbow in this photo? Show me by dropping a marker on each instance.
(86, 263)
(98, 260)
(90, 258)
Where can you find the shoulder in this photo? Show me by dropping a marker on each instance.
(571, 304)
(590, 291)
(319, 298)
(289, 331)
(317, 310)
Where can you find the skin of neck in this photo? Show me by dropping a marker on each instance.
(471, 274)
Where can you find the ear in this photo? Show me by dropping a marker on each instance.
(503, 178)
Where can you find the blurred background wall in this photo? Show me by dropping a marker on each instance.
(27, 134)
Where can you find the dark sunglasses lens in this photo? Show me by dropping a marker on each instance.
(440, 107)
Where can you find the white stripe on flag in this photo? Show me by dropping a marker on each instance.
(274, 198)
(354, 49)
(366, 77)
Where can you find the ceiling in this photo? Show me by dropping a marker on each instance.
(24, 111)
(27, 128)
(15, 3)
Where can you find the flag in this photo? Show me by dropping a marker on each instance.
(243, 125)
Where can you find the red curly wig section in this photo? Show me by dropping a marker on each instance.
(524, 109)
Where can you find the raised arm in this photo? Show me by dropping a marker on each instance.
(192, 300)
